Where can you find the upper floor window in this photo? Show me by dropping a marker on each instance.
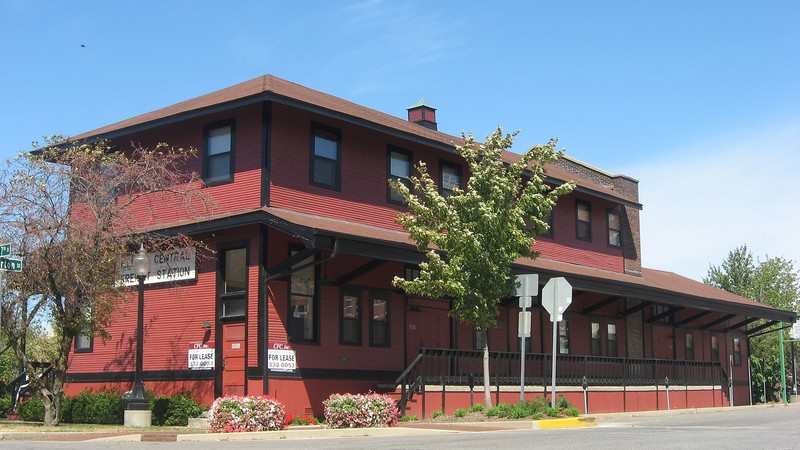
(614, 227)
(411, 273)
(326, 157)
(450, 178)
(550, 224)
(583, 225)
(218, 153)
(234, 282)
(399, 170)
(302, 304)
(84, 341)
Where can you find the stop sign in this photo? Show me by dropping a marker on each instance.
(556, 297)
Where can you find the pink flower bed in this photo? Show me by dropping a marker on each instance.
(233, 414)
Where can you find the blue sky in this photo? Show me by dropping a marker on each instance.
(698, 100)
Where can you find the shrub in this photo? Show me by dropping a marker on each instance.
(500, 410)
(460, 412)
(477, 407)
(174, 410)
(360, 410)
(409, 419)
(102, 407)
(436, 414)
(5, 405)
(234, 414)
(572, 411)
(31, 410)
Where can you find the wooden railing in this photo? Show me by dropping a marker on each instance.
(445, 367)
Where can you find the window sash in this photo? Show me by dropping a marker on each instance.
(302, 324)
(379, 321)
(351, 319)
(399, 167)
(563, 337)
(218, 155)
(326, 156)
(583, 214)
(451, 179)
(614, 227)
(611, 339)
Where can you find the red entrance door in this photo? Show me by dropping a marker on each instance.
(428, 326)
(233, 344)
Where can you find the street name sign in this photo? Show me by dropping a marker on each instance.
(5, 249)
(11, 264)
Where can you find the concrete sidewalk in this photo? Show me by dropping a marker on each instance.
(303, 432)
(319, 432)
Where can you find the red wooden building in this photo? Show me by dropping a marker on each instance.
(297, 302)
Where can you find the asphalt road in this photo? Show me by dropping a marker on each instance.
(739, 428)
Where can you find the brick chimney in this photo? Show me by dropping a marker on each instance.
(423, 114)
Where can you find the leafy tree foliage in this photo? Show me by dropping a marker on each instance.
(73, 211)
(472, 236)
(774, 282)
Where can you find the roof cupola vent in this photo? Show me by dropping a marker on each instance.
(423, 114)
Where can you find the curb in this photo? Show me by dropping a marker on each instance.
(309, 434)
(571, 422)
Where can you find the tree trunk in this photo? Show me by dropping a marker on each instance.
(52, 393)
(487, 395)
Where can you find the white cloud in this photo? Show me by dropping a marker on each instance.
(702, 201)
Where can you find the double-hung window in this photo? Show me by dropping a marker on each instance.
(379, 320)
(218, 153)
(583, 224)
(714, 348)
(563, 336)
(450, 178)
(326, 157)
(689, 347)
(302, 305)
(614, 228)
(737, 351)
(350, 331)
(399, 166)
(234, 282)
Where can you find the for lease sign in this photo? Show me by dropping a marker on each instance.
(201, 357)
(281, 358)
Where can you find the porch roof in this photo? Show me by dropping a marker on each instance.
(653, 285)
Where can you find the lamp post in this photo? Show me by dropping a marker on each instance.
(141, 267)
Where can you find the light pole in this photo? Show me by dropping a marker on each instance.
(141, 267)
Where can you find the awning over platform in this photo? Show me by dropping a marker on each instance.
(656, 286)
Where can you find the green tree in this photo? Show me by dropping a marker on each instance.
(774, 282)
(477, 233)
(72, 212)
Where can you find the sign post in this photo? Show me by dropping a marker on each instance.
(556, 298)
(527, 288)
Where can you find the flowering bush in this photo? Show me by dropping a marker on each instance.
(300, 420)
(360, 410)
(234, 414)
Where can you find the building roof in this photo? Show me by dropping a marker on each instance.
(655, 286)
(268, 87)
